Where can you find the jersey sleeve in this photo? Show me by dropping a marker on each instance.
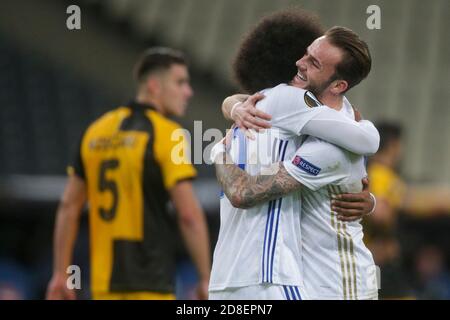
(288, 108)
(318, 163)
(358, 137)
(76, 167)
(173, 153)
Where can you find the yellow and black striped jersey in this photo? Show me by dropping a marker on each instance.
(125, 158)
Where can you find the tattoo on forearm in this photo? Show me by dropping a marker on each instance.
(245, 191)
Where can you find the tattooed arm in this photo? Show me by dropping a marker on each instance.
(245, 191)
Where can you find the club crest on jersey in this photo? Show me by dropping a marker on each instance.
(306, 166)
(310, 100)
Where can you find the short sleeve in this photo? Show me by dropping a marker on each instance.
(290, 107)
(172, 150)
(76, 167)
(318, 163)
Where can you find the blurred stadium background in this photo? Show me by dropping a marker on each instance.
(54, 82)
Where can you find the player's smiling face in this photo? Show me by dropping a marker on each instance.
(317, 67)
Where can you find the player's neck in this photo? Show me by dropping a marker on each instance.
(332, 101)
(146, 99)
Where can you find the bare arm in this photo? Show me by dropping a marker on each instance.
(245, 191)
(358, 137)
(66, 230)
(245, 115)
(191, 220)
(229, 102)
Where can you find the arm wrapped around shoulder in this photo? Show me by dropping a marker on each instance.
(332, 126)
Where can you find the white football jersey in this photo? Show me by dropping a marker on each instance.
(336, 263)
(263, 244)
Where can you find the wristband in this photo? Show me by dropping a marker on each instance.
(374, 203)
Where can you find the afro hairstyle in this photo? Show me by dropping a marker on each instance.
(268, 53)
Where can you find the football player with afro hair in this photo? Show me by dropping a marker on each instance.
(268, 53)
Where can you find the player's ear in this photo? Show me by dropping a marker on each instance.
(153, 85)
(338, 87)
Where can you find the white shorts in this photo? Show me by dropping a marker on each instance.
(258, 292)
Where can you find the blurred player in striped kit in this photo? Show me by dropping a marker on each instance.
(125, 170)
